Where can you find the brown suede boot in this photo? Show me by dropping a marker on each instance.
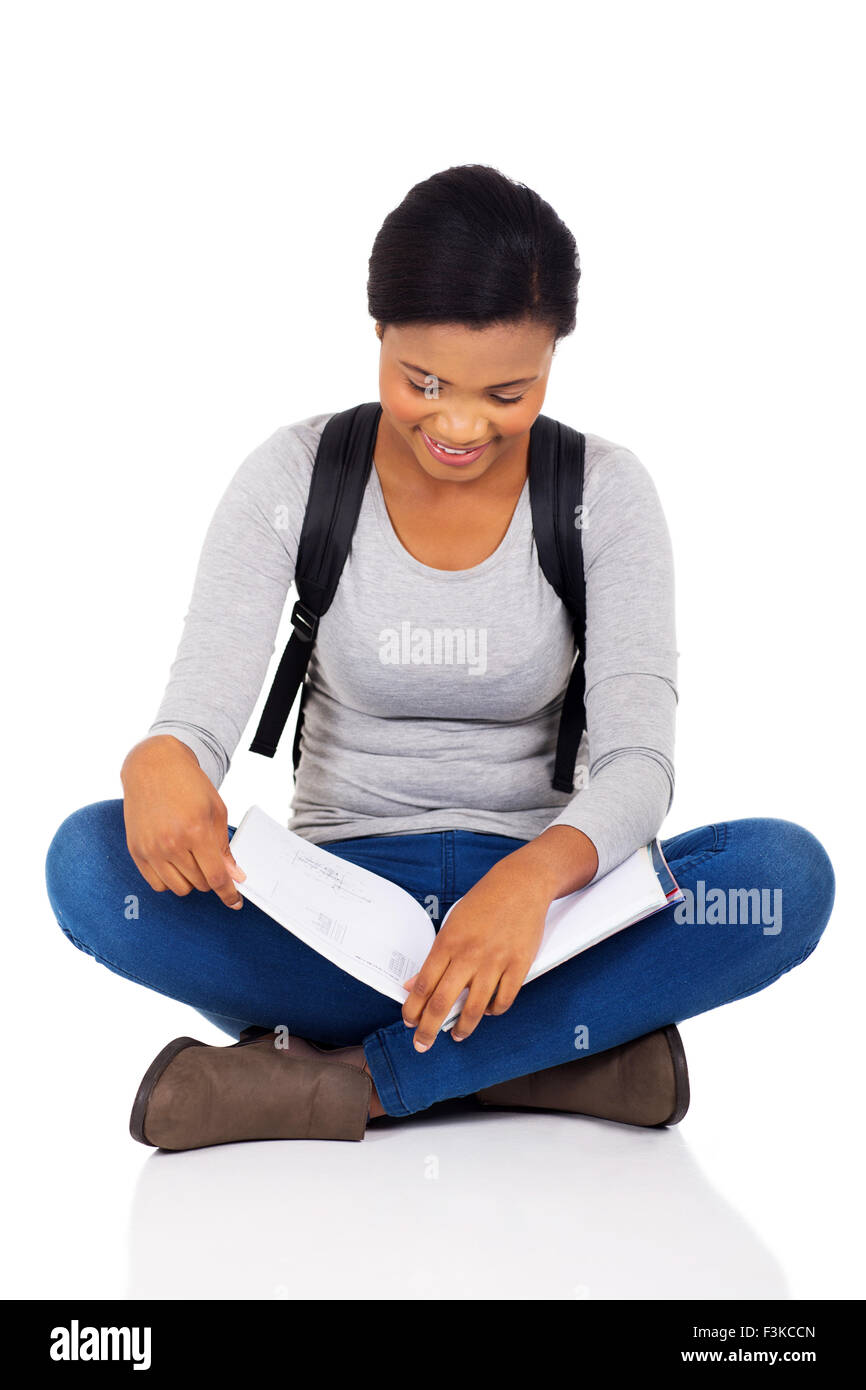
(193, 1095)
(642, 1082)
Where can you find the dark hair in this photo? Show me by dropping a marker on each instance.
(471, 246)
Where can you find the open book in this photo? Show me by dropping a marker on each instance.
(376, 931)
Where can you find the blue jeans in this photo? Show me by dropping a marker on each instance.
(242, 968)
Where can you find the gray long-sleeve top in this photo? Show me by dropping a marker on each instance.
(435, 694)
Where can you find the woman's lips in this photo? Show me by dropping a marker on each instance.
(455, 460)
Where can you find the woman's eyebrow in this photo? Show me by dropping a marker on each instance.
(520, 381)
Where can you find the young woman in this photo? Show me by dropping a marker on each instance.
(435, 774)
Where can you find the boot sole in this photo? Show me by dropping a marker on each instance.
(148, 1085)
(681, 1077)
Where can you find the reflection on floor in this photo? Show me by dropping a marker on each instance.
(455, 1204)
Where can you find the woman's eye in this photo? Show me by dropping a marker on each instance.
(503, 400)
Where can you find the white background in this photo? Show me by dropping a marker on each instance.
(191, 196)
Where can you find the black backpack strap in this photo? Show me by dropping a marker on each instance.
(556, 467)
(340, 472)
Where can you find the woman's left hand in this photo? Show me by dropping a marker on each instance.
(488, 943)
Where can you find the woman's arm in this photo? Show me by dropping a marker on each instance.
(176, 822)
(245, 569)
(631, 672)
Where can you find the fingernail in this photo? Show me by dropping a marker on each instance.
(235, 906)
(420, 1047)
(458, 1037)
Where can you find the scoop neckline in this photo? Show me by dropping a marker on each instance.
(386, 527)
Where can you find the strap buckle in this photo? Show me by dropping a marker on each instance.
(304, 621)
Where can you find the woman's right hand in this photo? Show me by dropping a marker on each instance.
(176, 821)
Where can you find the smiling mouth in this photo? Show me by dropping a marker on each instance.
(450, 449)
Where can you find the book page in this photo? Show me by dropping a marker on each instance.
(362, 922)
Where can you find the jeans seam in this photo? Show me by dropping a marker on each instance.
(448, 858)
(719, 843)
(378, 1035)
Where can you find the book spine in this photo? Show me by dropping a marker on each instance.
(667, 882)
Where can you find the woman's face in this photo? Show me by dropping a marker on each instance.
(463, 388)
